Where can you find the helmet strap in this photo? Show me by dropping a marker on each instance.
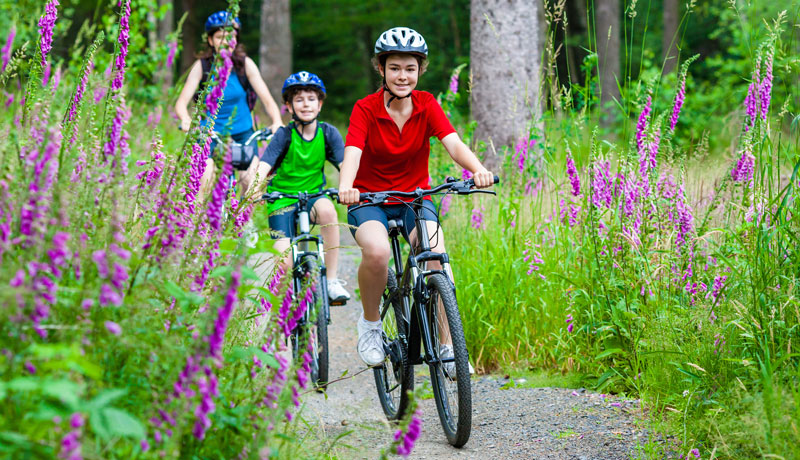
(392, 95)
(298, 123)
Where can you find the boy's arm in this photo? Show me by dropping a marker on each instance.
(334, 145)
(254, 77)
(462, 155)
(275, 148)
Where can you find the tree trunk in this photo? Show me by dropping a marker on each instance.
(669, 41)
(165, 27)
(505, 55)
(275, 49)
(191, 34)
(607, 33)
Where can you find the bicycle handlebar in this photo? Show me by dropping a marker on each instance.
(464, 187)
(260, 135)
(275, 196)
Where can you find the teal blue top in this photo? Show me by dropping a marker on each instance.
(234, 104)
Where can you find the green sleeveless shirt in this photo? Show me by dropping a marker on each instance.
(301, 169)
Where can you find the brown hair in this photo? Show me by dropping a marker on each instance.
(239, 53)
(291, 92)
(379, 61)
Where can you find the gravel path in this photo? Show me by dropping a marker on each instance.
(515, 423)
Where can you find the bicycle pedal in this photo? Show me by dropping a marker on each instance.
(338, 303)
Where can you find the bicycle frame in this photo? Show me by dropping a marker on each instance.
(301, 246)
(419, 332)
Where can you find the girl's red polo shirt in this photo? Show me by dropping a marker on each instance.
(392, 160)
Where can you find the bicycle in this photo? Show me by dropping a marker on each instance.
(309, 270)
(411, 313)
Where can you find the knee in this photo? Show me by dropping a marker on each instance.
(376, 254)
(326, 215)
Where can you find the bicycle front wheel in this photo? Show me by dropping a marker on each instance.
(395, 378)
(450, 370)
(317, 320)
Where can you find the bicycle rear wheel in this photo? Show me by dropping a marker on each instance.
(395, 378)
(449, 376)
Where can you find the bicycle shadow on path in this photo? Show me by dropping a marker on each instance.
(513, 423)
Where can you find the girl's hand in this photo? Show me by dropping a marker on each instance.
(185, 125)
(349, 196)
(275, 127)
(483, 178)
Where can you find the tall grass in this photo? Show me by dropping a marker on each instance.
(651, 272)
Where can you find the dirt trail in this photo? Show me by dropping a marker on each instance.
(516, 423)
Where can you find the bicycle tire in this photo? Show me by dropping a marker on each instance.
(319, 348)
(394, 380)
(456, 421)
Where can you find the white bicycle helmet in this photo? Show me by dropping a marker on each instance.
(401, 40)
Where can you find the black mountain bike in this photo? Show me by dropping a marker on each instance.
(309, 271)
(420, 314)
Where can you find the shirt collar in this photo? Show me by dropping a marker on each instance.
(415, 100)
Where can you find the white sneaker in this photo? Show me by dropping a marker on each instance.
(446, 352)
(370, 341)
(250, 234)
(336, 290)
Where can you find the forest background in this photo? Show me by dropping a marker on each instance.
(648, 215)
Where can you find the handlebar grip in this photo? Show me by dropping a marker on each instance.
(496, 179)
(363, 196)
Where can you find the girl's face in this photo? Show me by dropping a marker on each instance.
(401, 73)
(306, 104)
(218, 38)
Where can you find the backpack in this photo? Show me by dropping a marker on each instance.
(252, 97)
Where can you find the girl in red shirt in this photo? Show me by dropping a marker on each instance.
(387, 148)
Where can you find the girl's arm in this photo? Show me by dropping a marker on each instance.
(189, 88)
(462, 155)
(352, 159)
(254, 77)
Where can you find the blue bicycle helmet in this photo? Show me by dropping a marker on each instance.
(302, 80)
(219, 20)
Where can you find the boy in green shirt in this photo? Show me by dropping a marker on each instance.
(296, 156)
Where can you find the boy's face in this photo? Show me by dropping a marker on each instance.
(306, 104)
(401, 72)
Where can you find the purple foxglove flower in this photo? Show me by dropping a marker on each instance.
(454, 84)
(765, 91)
(680, 97)
(751, 102)
(101, 262)
(5, 53)
(173, 47)
(217, 202)
(46, 24)
(71, 443)
(214, 97)
(477, 218)
(685, 220)
(743, 171)
(217, 337)
(30, 367)
(113, 327)
(602, 185)
(445, 206)
(466, 174)
(108, 296)
(641, 125)
(574, 178)
(46, 73)
(407, 440)
(122, 39)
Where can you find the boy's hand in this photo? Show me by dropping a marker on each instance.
(483, 178)
(349, 196)
(275, 127)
